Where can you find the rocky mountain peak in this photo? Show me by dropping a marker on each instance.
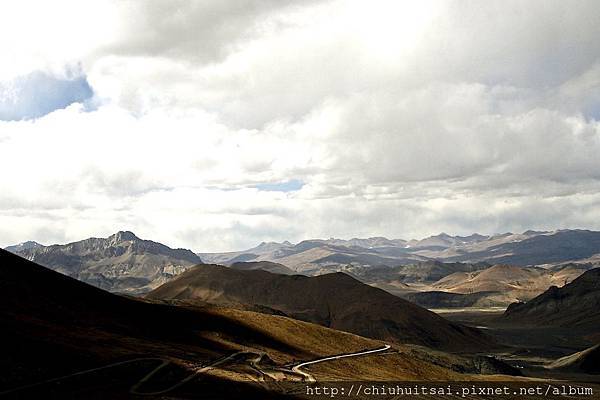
(121, 262)
(30, 244)
(123, 236)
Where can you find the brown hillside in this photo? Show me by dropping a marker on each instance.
(334, 300)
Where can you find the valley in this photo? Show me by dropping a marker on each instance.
(280, 316)
(553, 335)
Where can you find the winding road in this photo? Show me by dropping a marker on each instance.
(311, 378)
(253, 362)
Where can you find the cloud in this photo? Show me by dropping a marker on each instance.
(218, 125)
(454, 133)
(199, 32)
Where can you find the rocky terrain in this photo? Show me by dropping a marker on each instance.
(120, 263)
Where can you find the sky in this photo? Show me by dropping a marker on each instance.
(214, 125)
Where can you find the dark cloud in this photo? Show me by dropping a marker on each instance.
(192, 31)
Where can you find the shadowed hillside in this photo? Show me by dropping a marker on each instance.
(574, 305)
(53, 325)
(436, 299)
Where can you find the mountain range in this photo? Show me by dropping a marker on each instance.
(455, 264)
(525, 249)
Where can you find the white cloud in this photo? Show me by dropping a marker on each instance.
(400, 118)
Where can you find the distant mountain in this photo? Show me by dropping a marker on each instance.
(398, 280)
(514, 283)
(438, 299)
(120, 263)
(270, 250)
(334, 300)
(391, 264)
(369, 243)
(529, 248)
(577, 304)
(262, 265)
(23, 246)
(444, 241)
(431, 271)
(318, 256)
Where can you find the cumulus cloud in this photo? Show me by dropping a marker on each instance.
(218, 125)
